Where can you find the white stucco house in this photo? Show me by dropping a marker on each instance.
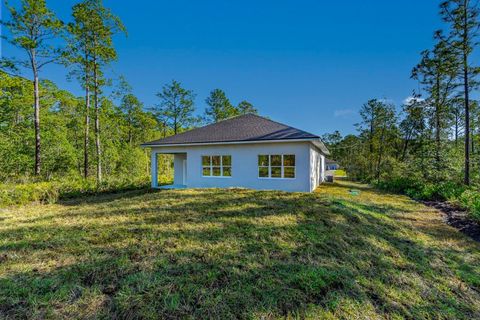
(247, 151)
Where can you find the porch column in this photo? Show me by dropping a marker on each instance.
(154, 169)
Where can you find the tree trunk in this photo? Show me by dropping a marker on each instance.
(380, 154)
(97, 123)
(456, 128)
(36, 98)
(87, 124)
(405, 146)
(130, 126)
(472, 148)
(437, 124)
(371, 143)
(466, 89)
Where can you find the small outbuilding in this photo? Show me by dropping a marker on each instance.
(246, 151)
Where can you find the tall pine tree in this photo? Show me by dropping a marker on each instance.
(462, 17)
(33, 28)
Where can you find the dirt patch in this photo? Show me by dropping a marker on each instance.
(457, 218)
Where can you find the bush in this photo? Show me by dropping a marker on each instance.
(42, 192)
(423, 190)
(467, 198)
(52, 191)
(470, 200)
(399, 185)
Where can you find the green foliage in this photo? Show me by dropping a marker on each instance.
(66, 187)
(41, 192)
(219, 107)
(466, 197)
(176, 107)
(370, 155)
(32, 28)
(445, 191)
(245, 107)
(124, 129)
(470, 199)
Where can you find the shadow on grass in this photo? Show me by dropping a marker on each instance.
(229, 254)
(106, 197)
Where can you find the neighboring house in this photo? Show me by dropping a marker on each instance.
(331, 165)
(246, 151)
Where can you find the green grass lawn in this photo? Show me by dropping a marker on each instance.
(340, 173)
(236, 254)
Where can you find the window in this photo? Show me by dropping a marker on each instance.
(217, 166)
(276, 166)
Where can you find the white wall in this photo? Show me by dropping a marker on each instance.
(178, 168)
(245, 165)
(317, 168)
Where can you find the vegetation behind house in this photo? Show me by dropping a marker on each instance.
(430, 147)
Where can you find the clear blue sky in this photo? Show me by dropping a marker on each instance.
(310, 64)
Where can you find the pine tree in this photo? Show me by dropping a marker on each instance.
(462, 17)
(176, 106)
(245, 107)
(219, 107)
(100, 25)
(79, 57)
(437, 72)
(33, 29)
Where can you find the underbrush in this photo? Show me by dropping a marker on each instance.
(52, 191)
(466, 197)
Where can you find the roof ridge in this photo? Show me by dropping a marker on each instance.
(283, 124)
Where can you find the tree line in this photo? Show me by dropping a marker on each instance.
(435, 136)
(47, 132)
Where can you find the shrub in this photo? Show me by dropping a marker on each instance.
(400, 185)
(42, 192)
(450, 190)
(467, 198)
(52, 191)
(423, 190)
(470, 200)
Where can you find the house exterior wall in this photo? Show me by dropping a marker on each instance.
(245, 165)
(317, 168)
(332, 167)
(178, 168)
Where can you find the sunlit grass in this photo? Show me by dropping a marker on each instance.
(340, 173)
(236, 254)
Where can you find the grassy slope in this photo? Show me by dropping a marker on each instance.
(236, 253)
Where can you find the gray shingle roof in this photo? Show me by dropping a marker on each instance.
(242, 128)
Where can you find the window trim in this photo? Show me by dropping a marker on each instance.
(282, 167)
(211, 166)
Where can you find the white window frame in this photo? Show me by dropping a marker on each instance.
(282, 177)
(221, 165)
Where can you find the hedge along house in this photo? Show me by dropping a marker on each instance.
(246, 151)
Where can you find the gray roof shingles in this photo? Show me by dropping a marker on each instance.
(242, 128)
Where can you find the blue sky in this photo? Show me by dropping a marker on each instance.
(310, 64)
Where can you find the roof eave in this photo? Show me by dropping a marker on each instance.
(320, 145)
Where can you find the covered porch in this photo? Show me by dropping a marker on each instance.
(179, 170)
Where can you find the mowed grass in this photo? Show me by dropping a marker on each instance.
(236, 254)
